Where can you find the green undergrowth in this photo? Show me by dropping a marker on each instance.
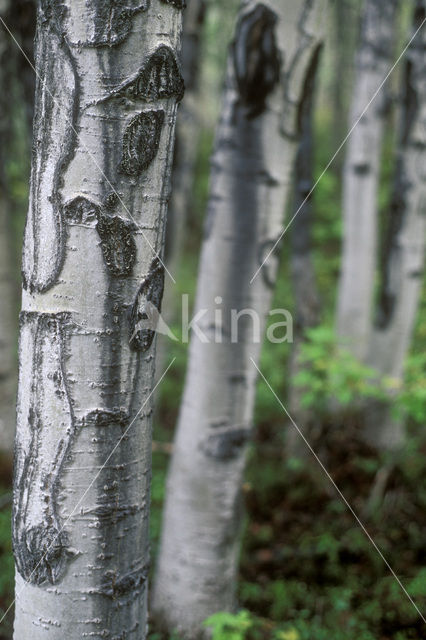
(308, 567)
(6, 565)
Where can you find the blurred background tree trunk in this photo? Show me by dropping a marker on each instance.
(187, 133)
(345, 16)
(103, 148)
(251, 175)
(7, 315)
(22, 21)
(16, 77)
(7, 323)
(307, 311)
(404, 245)
(187, 138)
(361, 177)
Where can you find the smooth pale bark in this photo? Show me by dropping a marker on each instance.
(403, 263)
(105, 110)
(7, 300)
(306, 297)
(361, 177)
(250, 182)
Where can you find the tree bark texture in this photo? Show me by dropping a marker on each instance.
(404, 246)
(255, 146)
(106, 99)
(361, 177)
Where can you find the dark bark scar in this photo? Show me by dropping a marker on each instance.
(179, 4)
(257, 59)
(141, 141)
(40, 544)
(145, 309)
(160, 77)
(225, 443)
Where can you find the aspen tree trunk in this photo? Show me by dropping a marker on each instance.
(7, 331)
(106, 100)
(344, 13)
(22, 20)
(187, 136)
(361, 176)
(307, 303)
(250, 182)
(403, 263)
(7, 300)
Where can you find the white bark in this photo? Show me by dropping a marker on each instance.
(106, 104)
(361, 176)
(250, 181)
(405, 241)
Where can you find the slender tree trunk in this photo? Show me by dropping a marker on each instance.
(106, 100)
(361, 177)
(22, 19)
(345, 27)
(7, 306)
(252, 163)
(187, 133)
(7, 334)
(404, 247)
(307, 303)
(187, 137)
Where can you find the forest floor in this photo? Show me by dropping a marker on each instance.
(308, 570)
(306, 560)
